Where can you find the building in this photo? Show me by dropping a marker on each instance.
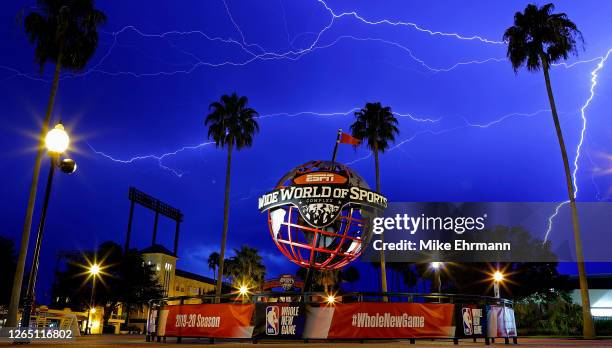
(175, 282)
(600, 294)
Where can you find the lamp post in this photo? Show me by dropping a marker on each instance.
(498, 277)
(436, 267)
(57, 142)
(94, 270)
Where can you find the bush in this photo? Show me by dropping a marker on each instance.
(558, 317)
(603, 327)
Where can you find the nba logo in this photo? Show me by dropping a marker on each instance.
(272, 316)
(467, 321)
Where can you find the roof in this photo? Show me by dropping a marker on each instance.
(193, 276)
(595, 281)
(157, 249)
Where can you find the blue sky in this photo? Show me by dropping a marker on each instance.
(471, 129)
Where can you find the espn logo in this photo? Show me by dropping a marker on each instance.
(320, 178)
(272, 320)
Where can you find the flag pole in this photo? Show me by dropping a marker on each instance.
(308, 281)
(336, 146)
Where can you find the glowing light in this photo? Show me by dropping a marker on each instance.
(330, 299)
(92, 310)
(243, 290)
(94, 270)
(498, 276)
(57, 139)
(436, 265)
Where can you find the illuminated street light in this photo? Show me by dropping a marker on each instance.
(331, 299)
(57, 141)
(94, 271)
(436, 267)
(243, 290)
(498, 277)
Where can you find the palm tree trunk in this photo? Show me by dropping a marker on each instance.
(383, 268)
(588, 329)
(225, 223)
(25, 234)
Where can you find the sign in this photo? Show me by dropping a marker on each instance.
(221, 320)
(279, 320)
(286, 281)
(470, 320)
(320, 197)
(381, 320)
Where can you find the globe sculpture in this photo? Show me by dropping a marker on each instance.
(319, 214)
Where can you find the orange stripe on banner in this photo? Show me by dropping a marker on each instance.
(392, 320)
(221, 320)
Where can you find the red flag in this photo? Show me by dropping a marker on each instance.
(348, 139)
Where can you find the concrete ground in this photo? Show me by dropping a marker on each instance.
(139, 341)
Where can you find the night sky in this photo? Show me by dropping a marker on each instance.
(471, 129)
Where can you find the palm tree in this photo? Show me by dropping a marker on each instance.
(231, 123)
(64, 33)
(377, 126)
(246, 267)
(213, 262)
(537, 39)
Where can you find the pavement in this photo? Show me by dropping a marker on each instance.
(139, 341)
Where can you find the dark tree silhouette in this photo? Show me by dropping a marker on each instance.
(538, 39)
(213, 262)
(376, 126)
(65, 33)
(231, 124)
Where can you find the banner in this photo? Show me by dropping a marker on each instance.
(208, 320)
(470, 321)
(380, 320)
(279, 320)
(500, 322)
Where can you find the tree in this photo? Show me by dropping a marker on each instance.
(538, 39)
(376, 125)
(231, 123)
(246, 267)
(213, 262)
(125, 279)
(136, 285)
(65, 33)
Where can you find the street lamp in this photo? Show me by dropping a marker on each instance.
(498, 277)
(94, 270)
(57, 142)
(436, 267)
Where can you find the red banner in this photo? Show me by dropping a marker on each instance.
(391, 320)
(208, 320)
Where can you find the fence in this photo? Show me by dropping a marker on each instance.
(319, 316)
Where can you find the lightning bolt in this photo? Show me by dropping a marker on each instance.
(443, 131)
(158, 158)
(406, 24)
(594, 76)
(256, 52)
(267, 55)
